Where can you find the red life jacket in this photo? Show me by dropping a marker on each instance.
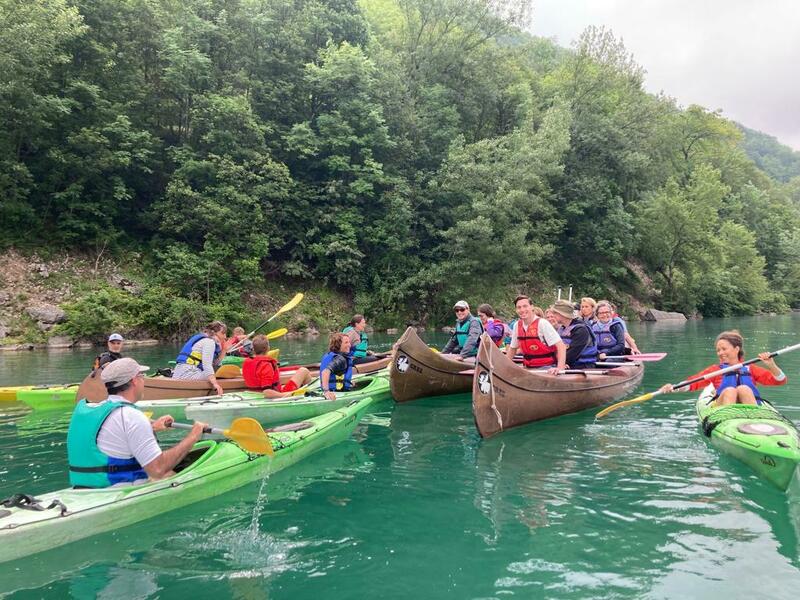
(535, 353)
(261, 373)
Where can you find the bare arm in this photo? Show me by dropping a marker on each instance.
(324, 379)
(162, 466)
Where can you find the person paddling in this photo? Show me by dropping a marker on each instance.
(536, 339)
(200, 355)
(576, 334)
(112, 443)
(738, 387)
(336, 366)
(261, 372)
(464, 342)
(359, 340)
(114, 352)
(245, 348)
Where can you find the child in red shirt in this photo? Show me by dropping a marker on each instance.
(262, 373)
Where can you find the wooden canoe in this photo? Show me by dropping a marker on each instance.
(506, 395)
(165, 388)
(418, 372)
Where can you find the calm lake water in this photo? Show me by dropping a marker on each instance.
(416, 505)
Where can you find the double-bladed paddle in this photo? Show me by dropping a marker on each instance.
(706, 377)
(286, 307)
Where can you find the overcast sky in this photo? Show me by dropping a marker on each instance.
(742, 56)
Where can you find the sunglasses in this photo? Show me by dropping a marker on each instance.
(461, 310)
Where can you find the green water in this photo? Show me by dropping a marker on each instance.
(416, 505)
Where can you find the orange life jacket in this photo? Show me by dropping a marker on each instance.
(535, 353)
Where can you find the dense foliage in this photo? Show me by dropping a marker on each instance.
(404, 151)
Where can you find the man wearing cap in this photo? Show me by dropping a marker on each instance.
(112, 442)
(577, 335)
(113, 353)
(464, 343)
(536, 339)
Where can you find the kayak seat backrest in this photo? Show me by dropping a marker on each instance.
(229, 372)
(291, 427)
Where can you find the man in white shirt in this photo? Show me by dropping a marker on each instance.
(113, 443)
(538, 340)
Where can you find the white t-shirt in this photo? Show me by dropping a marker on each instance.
(127, 433)
(547, 333)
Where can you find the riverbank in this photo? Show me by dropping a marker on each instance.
(54, 300)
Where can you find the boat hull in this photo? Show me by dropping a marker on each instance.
(772, 456)
(419, 372)
(506, 395)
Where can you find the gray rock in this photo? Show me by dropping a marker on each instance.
(312, 331)
(46, 313)
(392, 331)
(5, 297)
(44, 326)
(3, 331)
(60, 341)
(126, 285)
(449, 330)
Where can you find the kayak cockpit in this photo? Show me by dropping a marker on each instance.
(195, 454)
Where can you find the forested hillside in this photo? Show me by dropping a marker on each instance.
(409, 152)
(777, 160)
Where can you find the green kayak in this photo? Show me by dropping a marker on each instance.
(219, 411)
(49, 397)
(759, 436)
(212, 468)
(284, 410)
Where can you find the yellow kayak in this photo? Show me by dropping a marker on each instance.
(9, 393)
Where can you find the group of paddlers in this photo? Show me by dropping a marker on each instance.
(117, 441)
(556, 338)
(200, 356)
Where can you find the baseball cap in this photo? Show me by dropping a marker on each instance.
(115, 337)
(121, 371)
(461, 304)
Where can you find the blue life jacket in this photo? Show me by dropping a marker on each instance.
(462, 333)
(602, 334)
(360, 349)
(88, 465)
(588, 355)
(195, 358)
(737, 378)
(337, 382)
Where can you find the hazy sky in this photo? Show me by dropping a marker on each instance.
(742, 56)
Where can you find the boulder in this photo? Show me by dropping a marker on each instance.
(44, 326)
(60, 341)
(5, 298)
(392, 331)
(660, 315)
(448, 329)
(46, 313)
(126, 285)
(3, 331)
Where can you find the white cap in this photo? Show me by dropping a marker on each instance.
(115, 337)
(461, 304)
(121, 371)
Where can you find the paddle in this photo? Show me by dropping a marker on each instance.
(644, 357)
(245, 431)
(286, 307)
(706, 377)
